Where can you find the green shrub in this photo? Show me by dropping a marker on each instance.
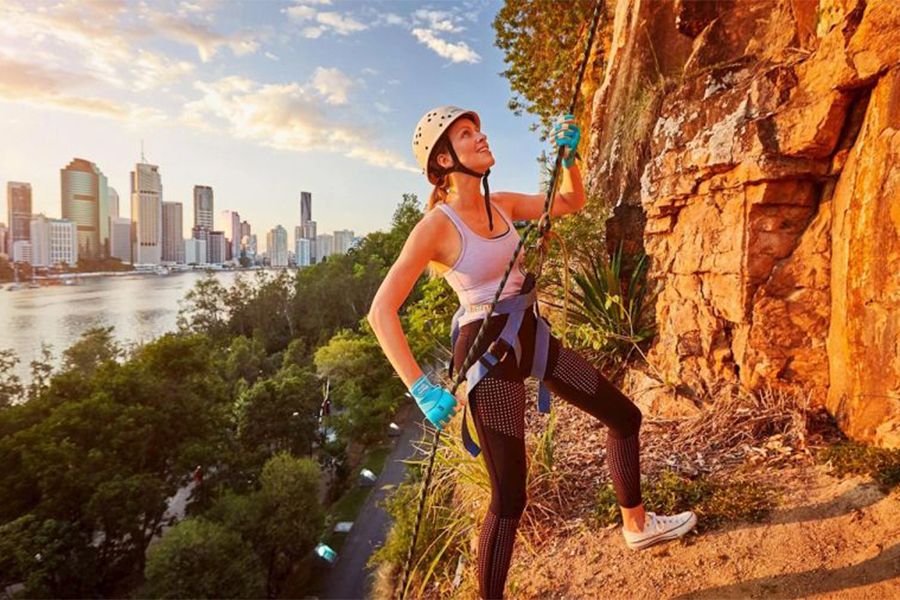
(848, 457)
(607, 315)
(200, 559)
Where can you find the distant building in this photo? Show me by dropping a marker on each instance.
(303, 252)
(120, 239)
(18, 203)
(4, 234)
(85, 202)
(252, 248)
(172, 237)
(21, 251)
(112, 202)
(216, 247)
(230, 223)
(324, 247)
(305, 207)
(277, 246)
(343, 241)
(203, 207)
(53, 242)
(195, 252)
(146, 213)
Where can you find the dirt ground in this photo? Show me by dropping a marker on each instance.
(828, 538)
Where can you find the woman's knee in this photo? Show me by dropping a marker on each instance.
(509, 504)
(628, 422)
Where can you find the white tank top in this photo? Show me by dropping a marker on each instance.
(482, 261)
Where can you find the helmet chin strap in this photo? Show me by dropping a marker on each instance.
(458, 166)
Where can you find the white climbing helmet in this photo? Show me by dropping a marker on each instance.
(431, 126)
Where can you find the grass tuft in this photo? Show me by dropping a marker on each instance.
(714, 502)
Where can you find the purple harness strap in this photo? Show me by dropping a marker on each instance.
(515, 307)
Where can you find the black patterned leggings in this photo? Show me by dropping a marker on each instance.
(498, 411)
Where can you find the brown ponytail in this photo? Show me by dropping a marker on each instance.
(442, 184)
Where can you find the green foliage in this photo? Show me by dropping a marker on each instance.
(848, 457)
(203, 309)
(101, 452)
(543, 44)
(364, 390)
(610, 317)
(95, 346)
(427, 322)
(293, 515)
(201, 559)
(280, 414)
(11, 388)
(245, 360)
(41, 371)
(714, 502)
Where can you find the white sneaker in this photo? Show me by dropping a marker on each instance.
(660, 528)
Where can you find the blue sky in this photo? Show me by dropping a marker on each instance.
(258, 99)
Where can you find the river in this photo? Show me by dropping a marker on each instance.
(139, 307)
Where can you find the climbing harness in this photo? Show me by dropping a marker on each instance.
(514, 307)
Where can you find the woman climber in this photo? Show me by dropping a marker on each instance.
(469, 240)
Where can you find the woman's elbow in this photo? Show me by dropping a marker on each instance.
(377, 313)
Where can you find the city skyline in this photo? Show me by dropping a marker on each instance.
(256, 99)
(91, 227)
(201, 197)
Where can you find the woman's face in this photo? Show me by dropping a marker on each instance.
(471, 146)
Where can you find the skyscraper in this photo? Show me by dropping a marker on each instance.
(85, 202)
(203, 207)
(18, 201)
(146, 213)
(53, 241)
(172, 238)
(343, 240)
(230, 223)
(4, 233)
(120, 238)
(324, 247)
(215, 247)
(277, 246)
(305, 207)
(302, 248)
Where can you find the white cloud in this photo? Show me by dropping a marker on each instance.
(383, 108)
(152, 70)
(34, 84)
(368, 71)
(271, 56)
(322, 21)
(340, 23)
(283, 116)
(332, 85)
(458, 52)
(438, 20)
(206, 41)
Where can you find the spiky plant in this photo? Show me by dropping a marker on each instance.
(611, 316)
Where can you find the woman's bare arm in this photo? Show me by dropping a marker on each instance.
(525, 207)
(419, 249)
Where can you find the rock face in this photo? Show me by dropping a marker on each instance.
(753, 150)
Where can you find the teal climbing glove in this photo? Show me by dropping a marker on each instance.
(437, 403)
(566, 135)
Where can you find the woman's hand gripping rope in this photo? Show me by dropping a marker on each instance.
(566, 135)
(437, 403)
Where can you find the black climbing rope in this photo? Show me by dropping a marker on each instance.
(540, 229)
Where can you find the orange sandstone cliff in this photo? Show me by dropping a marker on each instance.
(753, 150)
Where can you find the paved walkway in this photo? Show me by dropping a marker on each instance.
(350, 576)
